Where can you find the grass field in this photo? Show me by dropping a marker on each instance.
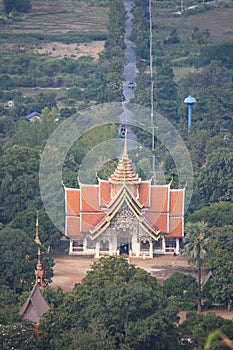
(52, 17)
(216, 19)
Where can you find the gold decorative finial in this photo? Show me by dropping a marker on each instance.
(39, 271)
(125, 152)
(37, 239)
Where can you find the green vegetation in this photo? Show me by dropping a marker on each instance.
(192, 54)
(17, 5)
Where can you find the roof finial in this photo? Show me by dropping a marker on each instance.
(125, 152)
(39, 271)
(37, 239)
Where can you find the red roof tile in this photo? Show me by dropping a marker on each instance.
(176, 227)
(73, 226)
(72, 201)
(176, 202)
(144, 193)
(159, 199)
(105, 192)
(89, 220)
(159, 221)
(89, 198)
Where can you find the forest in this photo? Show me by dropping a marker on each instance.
(192, 55)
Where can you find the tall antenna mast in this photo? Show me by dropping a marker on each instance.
(152, 93)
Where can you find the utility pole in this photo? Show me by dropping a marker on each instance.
(152, 94)
(182, 6)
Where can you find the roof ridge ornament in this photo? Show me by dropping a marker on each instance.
(37, 239)
(125, 151)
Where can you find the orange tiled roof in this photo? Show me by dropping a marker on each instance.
(144, 193)
(176, 227)
(89, 198)
(72, 197)
(105, 192)
(159, 198)
(177, 202)
(159, 221)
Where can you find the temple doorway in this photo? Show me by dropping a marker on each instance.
(124, 245)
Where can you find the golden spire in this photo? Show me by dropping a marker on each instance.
(125, 152)
(37, 239)
(124, 173)
(39, 271)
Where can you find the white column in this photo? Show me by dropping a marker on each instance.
(177, 245)
(110, 248)
(163, 245)
(97, 249)
(151, 250)
(84, 245)
(71, 247)
(138, 250)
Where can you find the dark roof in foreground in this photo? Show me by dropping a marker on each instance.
(35, 306)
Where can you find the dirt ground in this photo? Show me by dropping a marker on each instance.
(61, 50)
(69, 270)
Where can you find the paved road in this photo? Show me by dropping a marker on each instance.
(130, 67)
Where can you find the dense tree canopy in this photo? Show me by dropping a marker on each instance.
(116, 305)
(19, 169)
(18, 260)
(17, 5)
(221, 261)
(195, 248)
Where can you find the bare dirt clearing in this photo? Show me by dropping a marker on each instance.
(61, 50)
(69, 270)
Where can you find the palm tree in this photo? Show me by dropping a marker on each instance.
(196, 244)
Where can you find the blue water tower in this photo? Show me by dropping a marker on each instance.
(189, 101)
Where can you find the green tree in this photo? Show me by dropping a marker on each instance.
(18, 260)
(19, 168)
(217, 214)
(9, 311)
(196, 243)
(18, 336)
(221, 261)
(181, 286)
(117, 306)
(17, 5)
(197, 328)
(214, 181)
(165, 90)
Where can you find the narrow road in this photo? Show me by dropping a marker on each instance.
(129, 75)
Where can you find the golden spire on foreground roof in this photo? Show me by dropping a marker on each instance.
(39, 271)
(37, 239)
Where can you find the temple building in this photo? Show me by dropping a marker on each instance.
(36, 306)
(124, 215)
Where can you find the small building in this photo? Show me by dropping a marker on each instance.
(35, 306)
(124, 215)
(33, 116)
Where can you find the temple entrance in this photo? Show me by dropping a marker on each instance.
(123, 245)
